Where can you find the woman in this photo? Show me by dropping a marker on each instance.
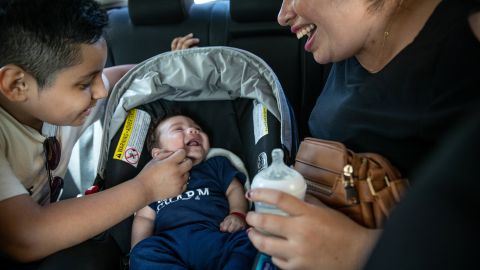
(404, 73)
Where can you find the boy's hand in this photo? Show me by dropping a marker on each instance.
(165, 178)
(161, 154)
(232, 223)
(185, 42)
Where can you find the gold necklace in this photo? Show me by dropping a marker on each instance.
(386, 35)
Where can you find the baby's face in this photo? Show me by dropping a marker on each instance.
(181, 132)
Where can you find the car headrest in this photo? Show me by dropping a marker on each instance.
(254, 10)
(153, 12)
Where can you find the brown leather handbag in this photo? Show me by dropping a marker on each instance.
(364, 186)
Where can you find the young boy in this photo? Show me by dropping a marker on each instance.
(52, 54)
(203, 228)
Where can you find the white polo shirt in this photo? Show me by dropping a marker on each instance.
(22, 158)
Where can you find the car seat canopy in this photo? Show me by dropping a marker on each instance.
(197, 74)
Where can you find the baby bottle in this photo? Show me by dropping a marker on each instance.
(278, 176)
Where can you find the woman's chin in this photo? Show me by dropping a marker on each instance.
(320, 59)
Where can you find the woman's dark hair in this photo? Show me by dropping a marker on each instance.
(44, 36)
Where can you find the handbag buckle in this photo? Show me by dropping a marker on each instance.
(347, 175)
(349, 184)
(370, 185)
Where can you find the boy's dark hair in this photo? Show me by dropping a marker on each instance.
(44, 36)
(152, 135)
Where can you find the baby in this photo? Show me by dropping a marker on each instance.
(202, 228)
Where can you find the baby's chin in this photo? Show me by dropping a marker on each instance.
(196, 157)
(195, 160)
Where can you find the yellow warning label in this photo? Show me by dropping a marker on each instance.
(265, 119)
(126, 133)
(260, 120)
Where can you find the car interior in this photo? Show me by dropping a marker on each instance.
(250, 84)
(142, 29)
(146, 28)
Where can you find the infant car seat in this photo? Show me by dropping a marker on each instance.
(233, 94)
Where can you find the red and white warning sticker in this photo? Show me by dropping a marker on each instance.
(132, 156)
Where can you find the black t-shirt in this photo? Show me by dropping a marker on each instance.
(436, 224)
(403, 111)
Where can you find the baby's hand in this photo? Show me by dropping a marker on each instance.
(233, 223)
(185, 42)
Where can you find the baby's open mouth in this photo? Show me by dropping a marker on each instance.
(193, 143)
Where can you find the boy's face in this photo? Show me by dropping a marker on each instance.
(69, 99)
(181, 132)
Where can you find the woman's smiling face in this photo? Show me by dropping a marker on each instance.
(336, 29)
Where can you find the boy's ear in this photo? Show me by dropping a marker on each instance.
(13, 83)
